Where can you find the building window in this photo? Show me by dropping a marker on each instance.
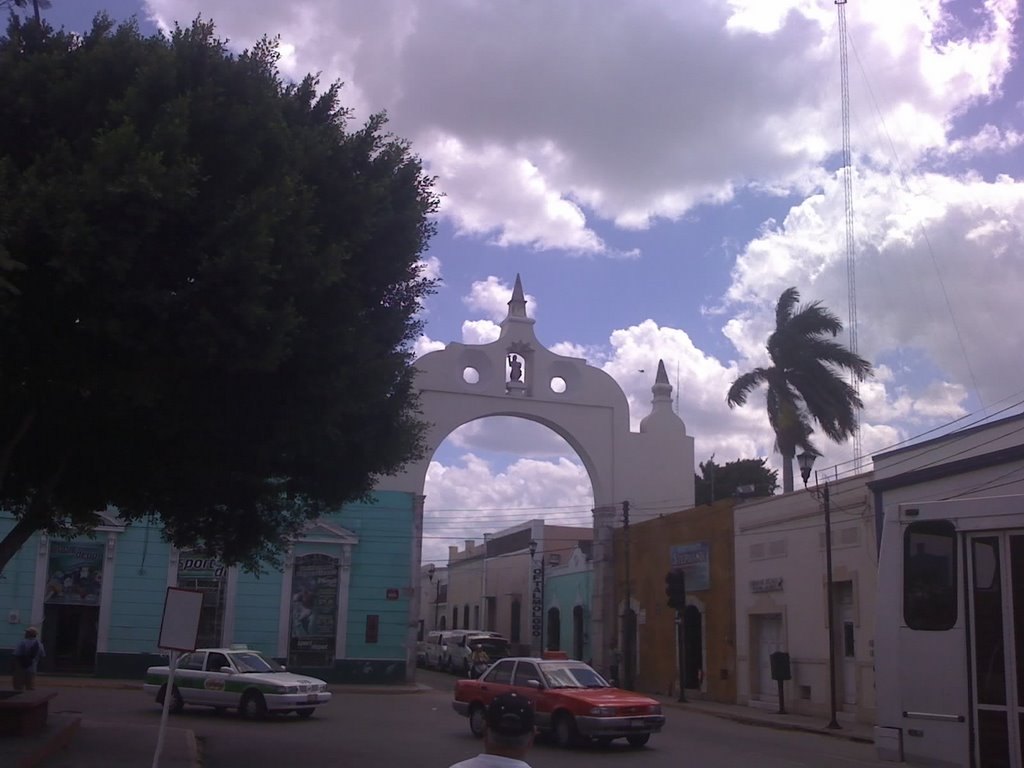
(515, 621)
(554, 633)
(419, 631)
(476, 617)
(465, 617)
(372, 628)
(492, 609)
(455, 617)
(444, 623)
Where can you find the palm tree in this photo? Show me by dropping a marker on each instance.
(36, 5)
(804, 386)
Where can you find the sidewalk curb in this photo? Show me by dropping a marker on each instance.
(57, 741)
(194, 748)
(388, 690)
(768, 723)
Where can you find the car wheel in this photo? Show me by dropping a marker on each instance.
(565, 730)
(638, 739)
(253, 706)
(305, 714)
(477, 720)
(177, 703)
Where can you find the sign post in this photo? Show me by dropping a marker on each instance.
(179, 629)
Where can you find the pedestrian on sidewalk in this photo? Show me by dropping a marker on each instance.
(508, 734)
(27, 654)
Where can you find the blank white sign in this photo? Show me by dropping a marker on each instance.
(179, 628)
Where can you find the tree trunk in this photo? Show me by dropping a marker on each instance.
(16, 538)
(787, 472)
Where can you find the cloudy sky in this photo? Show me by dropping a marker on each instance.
(658, 172)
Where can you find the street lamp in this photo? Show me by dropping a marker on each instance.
(806, 461)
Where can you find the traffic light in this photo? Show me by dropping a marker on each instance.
(675, 589)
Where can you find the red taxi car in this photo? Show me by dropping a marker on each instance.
(571, 700)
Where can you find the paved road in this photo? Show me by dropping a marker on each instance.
(422, 730)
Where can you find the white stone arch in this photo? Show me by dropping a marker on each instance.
(652, 468)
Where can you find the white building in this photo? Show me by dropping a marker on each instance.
(498, 584)
(781, 595)
(781, 599)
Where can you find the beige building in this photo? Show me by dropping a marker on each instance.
(781, 599)
(497, 584)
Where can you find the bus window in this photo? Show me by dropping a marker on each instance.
(929, 575)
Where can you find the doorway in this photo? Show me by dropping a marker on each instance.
(693, 637)
(766, 639)
(996, 582)
(846, 639)
(69, 638)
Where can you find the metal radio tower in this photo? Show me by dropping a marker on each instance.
(851, 276)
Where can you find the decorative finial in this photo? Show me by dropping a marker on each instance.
(662, 389)
(517, 304)
(662, 377)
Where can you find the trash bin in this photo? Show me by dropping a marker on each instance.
(779, 662)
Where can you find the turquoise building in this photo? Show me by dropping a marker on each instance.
(340, 607)
(568, 590)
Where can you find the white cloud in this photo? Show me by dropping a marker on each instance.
(538, 117)
(472, 496)
(491, 297)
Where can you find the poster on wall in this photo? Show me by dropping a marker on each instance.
(693, 560)
(314, 611)
(74, 573)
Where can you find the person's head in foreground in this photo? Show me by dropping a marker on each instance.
(509, 731)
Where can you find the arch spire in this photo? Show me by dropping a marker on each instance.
(517, 304)
(516, 325)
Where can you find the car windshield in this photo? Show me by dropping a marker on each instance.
(254, 662)
(572, 676)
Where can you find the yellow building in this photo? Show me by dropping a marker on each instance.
(700, 542)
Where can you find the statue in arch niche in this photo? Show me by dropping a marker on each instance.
(516, 368)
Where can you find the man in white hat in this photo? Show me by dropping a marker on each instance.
(27, 654)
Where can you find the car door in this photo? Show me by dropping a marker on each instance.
(528, 682)
(497, 681)
(215, 682)
(188, 677)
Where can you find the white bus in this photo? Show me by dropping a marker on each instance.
(949, 640)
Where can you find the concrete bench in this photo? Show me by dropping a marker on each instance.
(23, 713)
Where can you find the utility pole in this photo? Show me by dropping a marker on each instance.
(629, 628)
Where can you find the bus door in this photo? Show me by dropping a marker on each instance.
(932, 669)
(995, 593)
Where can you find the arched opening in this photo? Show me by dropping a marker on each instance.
(577, 632)
(486, 497)
(693, 634)
(553, 634)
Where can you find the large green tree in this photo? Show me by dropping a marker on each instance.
(210, 286)
(805, 382)
(747, 477)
